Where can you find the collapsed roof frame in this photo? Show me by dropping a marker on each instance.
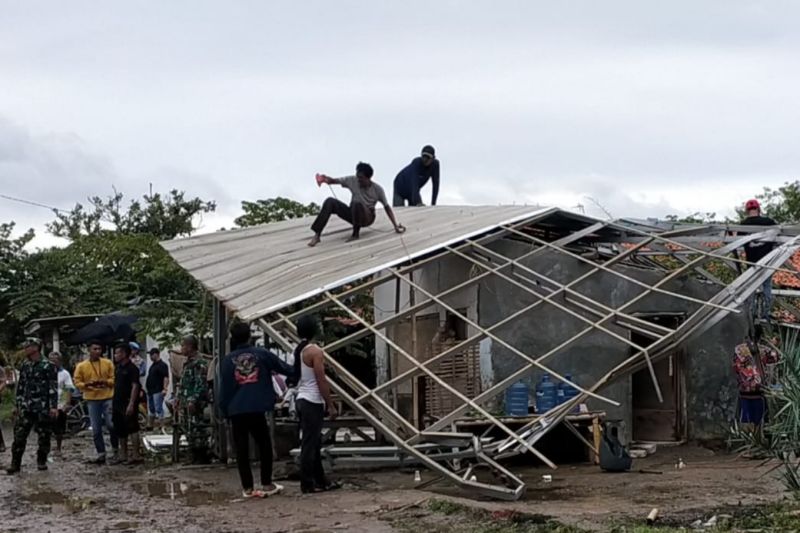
(681, 243)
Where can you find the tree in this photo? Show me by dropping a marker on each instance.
(114, 262)
(274, 210)
(12, 257)
(695, 218)
(162, 217)
(781, 204)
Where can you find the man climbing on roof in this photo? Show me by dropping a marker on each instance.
(755, 251)
(361, 211)
(414, 176)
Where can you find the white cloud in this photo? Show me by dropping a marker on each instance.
(651, 109)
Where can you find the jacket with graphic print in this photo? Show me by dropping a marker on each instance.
(246, 384)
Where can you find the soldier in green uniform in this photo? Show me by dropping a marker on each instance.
(193, 397)
(36, 405)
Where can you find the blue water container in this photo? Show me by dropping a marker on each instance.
(546, 394)
(517, 399)
(567, 391)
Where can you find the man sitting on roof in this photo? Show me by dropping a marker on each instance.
(361, 211)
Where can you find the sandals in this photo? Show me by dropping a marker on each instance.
(263, 493)
(274, 491)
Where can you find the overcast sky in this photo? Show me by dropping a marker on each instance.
(651, 108)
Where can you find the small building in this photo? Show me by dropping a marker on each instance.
(471, 300)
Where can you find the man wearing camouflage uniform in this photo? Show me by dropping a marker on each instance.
(193, 397)
(36, 405)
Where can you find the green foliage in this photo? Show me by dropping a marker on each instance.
(113, 263)
(274, 210)
(695, 218)
(780, 438)
(781, 204)
(12, 258)
(162, 217)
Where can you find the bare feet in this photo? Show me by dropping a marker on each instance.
(314, 241)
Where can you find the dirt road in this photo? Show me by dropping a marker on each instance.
(74, 497)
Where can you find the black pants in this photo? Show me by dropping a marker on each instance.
(244, 426)
(356, 214)
(311, 472)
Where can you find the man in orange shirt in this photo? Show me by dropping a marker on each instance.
(94, 377)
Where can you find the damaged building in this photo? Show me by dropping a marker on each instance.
(471, 300)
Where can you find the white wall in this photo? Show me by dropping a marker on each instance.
(435, 278)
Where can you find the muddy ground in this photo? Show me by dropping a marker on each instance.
(75, 497)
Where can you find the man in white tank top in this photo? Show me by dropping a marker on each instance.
(313, 399)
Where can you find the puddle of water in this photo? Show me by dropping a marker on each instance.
(46, 497)
(59, 501)
(124, 526)
(188, 494)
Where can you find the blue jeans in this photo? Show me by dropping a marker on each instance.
(99, 415)
(155, 404)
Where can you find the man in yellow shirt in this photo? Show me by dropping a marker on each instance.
(94, 377)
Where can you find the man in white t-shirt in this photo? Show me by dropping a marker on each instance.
(361, 211)
(65, 388)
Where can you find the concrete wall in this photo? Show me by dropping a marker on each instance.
(710, 384)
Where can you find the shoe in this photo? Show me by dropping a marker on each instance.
(134, 462)
(13, 469)
(117, 461)
(41, 467)
(277, 489)
(97, 461)
(254, 493)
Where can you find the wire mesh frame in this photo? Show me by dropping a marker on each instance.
(666, 341)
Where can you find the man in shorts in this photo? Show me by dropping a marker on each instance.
(124, 414)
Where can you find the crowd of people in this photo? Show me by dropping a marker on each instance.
(112, 390)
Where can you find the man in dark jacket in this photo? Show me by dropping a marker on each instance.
(246, 395)
(755, 251)
(413, 177)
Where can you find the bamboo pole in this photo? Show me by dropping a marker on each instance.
(351, 380)
(441, 382)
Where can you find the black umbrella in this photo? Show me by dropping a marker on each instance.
(106, 329)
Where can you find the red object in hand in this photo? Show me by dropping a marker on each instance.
(320, 179)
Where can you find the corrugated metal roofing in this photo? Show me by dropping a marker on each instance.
(255, 271)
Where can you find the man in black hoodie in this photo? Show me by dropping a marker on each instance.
(755, 251)
(414, 176)
(246, 395)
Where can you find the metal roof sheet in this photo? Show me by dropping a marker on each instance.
(255, 271)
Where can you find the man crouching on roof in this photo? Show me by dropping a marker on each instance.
(361, 211)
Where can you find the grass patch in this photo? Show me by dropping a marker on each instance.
(778, 518)
(445, 516)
